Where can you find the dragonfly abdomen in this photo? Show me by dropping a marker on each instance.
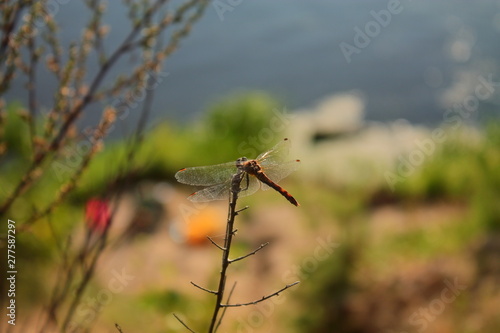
(263, 178)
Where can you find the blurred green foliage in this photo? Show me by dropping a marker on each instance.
(15, 132)
(463, 170)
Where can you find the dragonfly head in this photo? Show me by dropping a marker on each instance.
(240, 161)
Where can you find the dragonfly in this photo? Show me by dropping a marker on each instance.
(263, 172)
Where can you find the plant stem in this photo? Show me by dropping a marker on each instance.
(235, 189)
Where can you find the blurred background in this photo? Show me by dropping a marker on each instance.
(292, 50)
(392, 108)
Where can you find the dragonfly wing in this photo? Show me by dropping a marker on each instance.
(276, 154)
(216, 192)
(249, 185)
(279, 171)
(207, 175)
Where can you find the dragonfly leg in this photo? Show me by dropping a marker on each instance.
(247, 179)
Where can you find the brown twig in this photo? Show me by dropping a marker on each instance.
(214, 243)
(118, 328)
(183, 323)
(250, 254)
(263, 297)
(204, 289)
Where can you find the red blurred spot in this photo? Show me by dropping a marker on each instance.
(97, 214)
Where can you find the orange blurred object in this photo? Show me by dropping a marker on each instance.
(208, 222)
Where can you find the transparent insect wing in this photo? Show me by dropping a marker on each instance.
(276, 155)
(275, 164)
(278, 172)
(216, 192)
(249, 185)
(207, 175)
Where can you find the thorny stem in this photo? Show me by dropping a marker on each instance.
(235, 189)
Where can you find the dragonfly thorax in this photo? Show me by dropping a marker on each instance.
(249, 166)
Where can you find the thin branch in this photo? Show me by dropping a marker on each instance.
(65, 189)
(118, 328)
(137, 138)
(213, 242)
(235, 189)
(250, 254)
(124, 47)
(32, 97)
(64, 277)
(242, 209)
(87, 275)
(9, 27)
(183, 323)
(204, 289)
(262, 299)
(224, 310)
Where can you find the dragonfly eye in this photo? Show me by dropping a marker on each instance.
(241, 159)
